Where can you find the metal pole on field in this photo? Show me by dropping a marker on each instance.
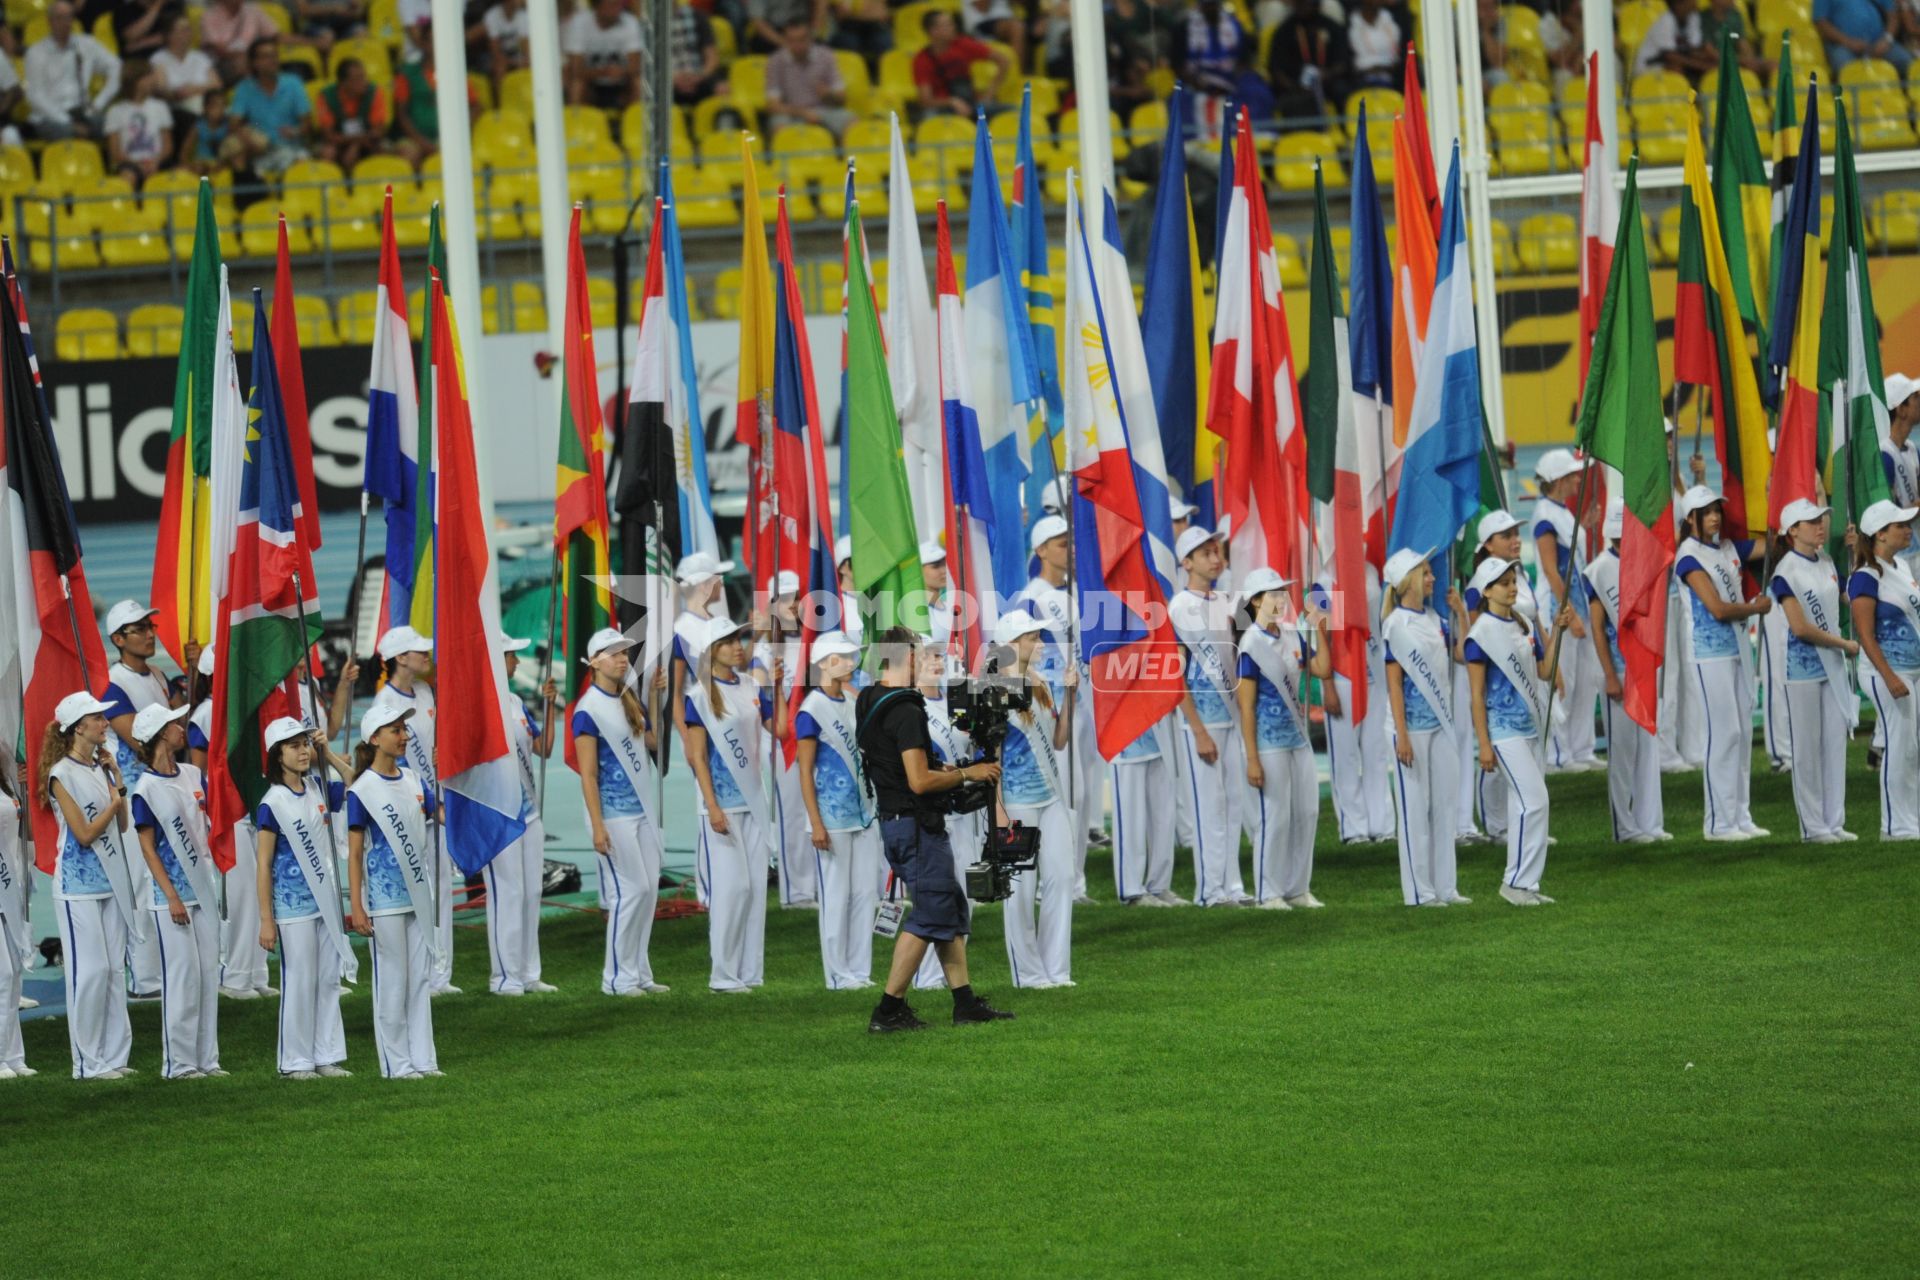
(550, 156)
(1474, 165)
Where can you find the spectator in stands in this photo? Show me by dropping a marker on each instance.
(1493, 44)
(274, 106)
(602, 47)
(139, 129)
(416, 105)
(351, 117)
(1310, 64)
(1727, 17)
(1378, 45)
(228, 31)
(219, 141)
(864, 27)
(1563, 39)
(1674, 42)
(61, 68)
(943, 71)
(1131, 53)
(505, 25)
(185, 75)
(1852, 29)
(10, 98)
(996, 20)
(1209, 53)
(325, 21)
(139, 26)
(697, 73)
(767, 22)
(804, 84)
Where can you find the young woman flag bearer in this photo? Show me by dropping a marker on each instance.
(92, 883)
(1886, 616)
(613, 752)
(1506, 672)
(169, 816)
(1419, 688)
(1821, 704)
(846, 842)
(1210, 741)
(514, 877)
(1033, 793)
(408, 657)
(1633, 754)
(300, 905)
(726, 714)
(1484, 795)
(243, 964)
(1556, 534)
(1359, 756)
(390, 881)
(793, 851)
(1717, 661)
(16, 942)
(1282, 787)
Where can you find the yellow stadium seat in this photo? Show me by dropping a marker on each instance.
(1070, 128)
(260, 232)
(153, 329)
(1893, 219)
(1658, 86)
(68, 251)
(585, 126)
(747, 82)
(984, 71)
(502, 139)
(310, 188)
(1573, 108)
(16, 169)
(1809, 50)
(1771, 17)
(107, 204)
(242, 325)
(71, 165)
(308, 59)
(282, 19)
(481, 90)
(1660, 129)
(1865, 71)
(704, 200)
(600, 301)
(1630, 23)
(1293, 267)
(1296, 154)
(512, 206)
(1504, 259)
(314, 321)
(87, 333)
(1549, 242)
(529, 307)
(133, 246)
(1881, 121)
(1666, 241)
(853, 73)
(909, 31)
(516, 92)
(1382, 106)
(371, 54)
(896, 76)
(1148, 123)
(373, 175)
(417, 311)
(1521, 157)
(103, 32)
(804, 155)
(725, 42)
(357, 311)
(726, 294)
(346, 230)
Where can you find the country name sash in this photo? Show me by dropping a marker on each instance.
(1899, 589)
(835, 718)
(610, 722)
(398, 807)
(88, 788)
(733, 728)
(299, 819)
(1501, 641)
(1278, 664)
(1816, 585)
(180, 818)
(1419, 648)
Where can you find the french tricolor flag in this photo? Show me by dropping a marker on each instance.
(393, 426)
(970, 509)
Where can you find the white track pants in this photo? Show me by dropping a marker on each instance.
(1572, 743)
(1042, 954)
(735, 869)
(1518, 760)
(243, 962)
(1142, 828)
(513, 882)
(310, 1031)
(1483, 796)
(1900, 767)
(443, 927)
(1773, 670)
(402, 996)
(1287, 813)
(93, 942)
(965, 832)
(792, 842)
(1360, 763)
(1819, 757)
(1425, 794)
(1726, 702)
(13, 1051)
(143, 957)
(629, 892)
(1089, 786)
(189, 990)
(1633, 776)
(849, 875)
(1183, 825)
(1216, 791)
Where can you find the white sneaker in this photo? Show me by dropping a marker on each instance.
(185, 1075)
(1063, 983)
(216, 1073)
(1460, 900)
(1248, 900)
(434, 1073)
(1755, 833)
(266, 989)
(1432, 902)
(1274, 904)
(1172, 899)
(1735, 836)
(1662, 836)
(127, 1071)
(1082, 900)
(630, 994)
(7, 1073)
(28, 1002)
(509, 991)
(1145, 900)
(1305, 900)
(1541, 897)
(299, 1075)
(541, 988)
(1845, 836)
(332, 1071)
(240, 993)
(448, 990)
(657, 988)
(1518, 897)
(411, 1075)
(23, 1071)
(1645, 837)
(732, 991)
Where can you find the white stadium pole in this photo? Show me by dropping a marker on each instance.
(1597, 31)
(1443, 78)
(1474, 164)
(550, 154)
(1089, 27)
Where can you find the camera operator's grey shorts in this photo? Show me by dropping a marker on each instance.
(924, 860)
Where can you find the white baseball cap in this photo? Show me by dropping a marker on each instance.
(381, 714)
(1616, 522)
(1263, 580)
(1491, 570)
(700, 566)
(1800, 510)
(514, 644)
(932, 552)
(1883, 513)
(153, 718)
(718, 629)
(1492, 525)
(830, 644)
(1014, 624)
(1045, 530)
(126, 613)
(842, 549)
(402, 639)
(1558, 464)
(606, 640)
(1182, 509)
(1900, 389)
(284, 728)
(784, 583)
(1698, 498)
(1050, 499)
(205, 665)
(1191, 539)
(1403, 562)
(75, 707)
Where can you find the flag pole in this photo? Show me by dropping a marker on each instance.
(79, 649)
(313, 691)
(1071, 641)
(353, 627)
(1573, 573)
(546, 672)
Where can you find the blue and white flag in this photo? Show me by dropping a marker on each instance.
(1133, 386)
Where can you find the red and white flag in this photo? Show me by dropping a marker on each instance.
(1599, 219)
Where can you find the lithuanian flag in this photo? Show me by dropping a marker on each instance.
(580, 523)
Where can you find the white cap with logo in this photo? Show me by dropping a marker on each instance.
(75, 707)
(1491, 570)
(1799, 511)
(842, 550)
(1261, 581)
(1615, 523)
(834, 644)
(701, 566)
(1492, 525)
(1016, 623)
(153, 718)
(403, 639)
(1403, 562)
(607, 640)
(1558, 464)
(126, 613)
(1698, 498)
(381, 714)
(932, 552)
(283, 729)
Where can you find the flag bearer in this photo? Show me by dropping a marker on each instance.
(1885, 601)
(1419, 692)
(408, 657)
(1559, 540)
(1210, 742)
(514, 877)
(845, 841)
(1283, 790)
(1633, 754)
(1821, 703)
(1033, 793)
(1506, 670)
(1359, 759)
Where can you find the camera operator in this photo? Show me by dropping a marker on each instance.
(896, 748)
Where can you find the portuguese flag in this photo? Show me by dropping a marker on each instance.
(1710, 348)
(182, 600)
(1622, 424)
(582, 568)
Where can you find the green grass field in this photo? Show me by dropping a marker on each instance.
(1702, 1061)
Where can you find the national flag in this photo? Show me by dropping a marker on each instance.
(1793, 356)
(1178, 319)
(393, 427)
(913, 357)
(1853, 407)
(582, 529)
(1440, 473)
(480, 779)
(52, 646)
(1710, 349)
(293, 389)
(1415, 247)
(849, 245)
(420, 613)
(1622, 425)
(1786, 163)
(1029, 227)
(1004, 376)
(754, 409)
(1599, 218)
(1126, 633)
(259, 637)
(1740, 192)
(183, 605)
(1370, 347)
(970, 511)
(1419, 149)
(1333, 453)
(886, 545)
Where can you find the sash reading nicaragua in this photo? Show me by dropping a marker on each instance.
(169, 799)
(610, 720)
(300, 817)
(398, 807)
(1817, 587)
(1419, 646)
(1274, 655)
(89, 790)
(733, 729)
(1500, 640)
(1722, 567)
(835, 718)
(1899, 589)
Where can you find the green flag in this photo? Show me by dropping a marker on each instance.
(886, 545)
(1741, 196)
(1326, 350)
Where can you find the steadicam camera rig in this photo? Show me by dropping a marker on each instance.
(983, 708)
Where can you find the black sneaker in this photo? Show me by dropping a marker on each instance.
(902, 1019)
(1098, 839)
(1873, 759)
(979, 1011)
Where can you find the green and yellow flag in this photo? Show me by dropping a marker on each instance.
(582, 566)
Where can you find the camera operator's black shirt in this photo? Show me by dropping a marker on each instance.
(899, 726)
